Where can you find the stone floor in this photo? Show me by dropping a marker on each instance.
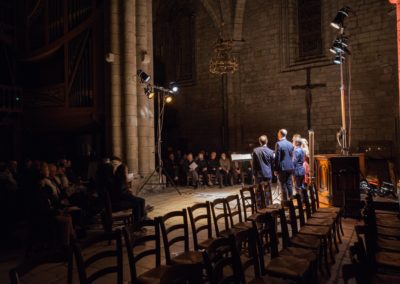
(165, 201)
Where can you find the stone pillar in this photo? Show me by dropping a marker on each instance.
(397, 3)
(129, 82)
(115, 108)
(145, 107)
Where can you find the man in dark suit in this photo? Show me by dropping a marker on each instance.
(284, 163)
(263, 160)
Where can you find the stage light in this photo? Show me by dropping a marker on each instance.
(148, 91)
(337, 60)
(337, 22)
(168, 99)
(173, 87)
(340, 46)
(144, 78)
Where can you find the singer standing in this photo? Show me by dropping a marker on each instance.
(263, 159)
(284, 163)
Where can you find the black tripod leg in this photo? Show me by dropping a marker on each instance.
(147, 180)
(172, 182)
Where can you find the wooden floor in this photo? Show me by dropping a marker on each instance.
(165, 201)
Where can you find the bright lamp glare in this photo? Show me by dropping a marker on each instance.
(168, 99)
(173, 87)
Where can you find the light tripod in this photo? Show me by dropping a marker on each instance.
(163, 95)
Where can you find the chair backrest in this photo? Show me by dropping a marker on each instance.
(248, 201)
(196, 217)
(234, 209)
(273, 238)
(179, 230)
(293, 218)
(284, 226)
(219, 204)
(314, 192)
(306, 201)
(147, 244)
(220, 255)
(30, 264)
(110, 252)
(107, 213)
(300, 209)
(312, 198)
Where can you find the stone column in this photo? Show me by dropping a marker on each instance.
(129, 82)
(145, 107)
(115, 108)
(397, 3)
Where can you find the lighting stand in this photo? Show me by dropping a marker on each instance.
(343, 130)
(160, 120)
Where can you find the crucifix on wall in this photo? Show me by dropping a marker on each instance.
(308, 96)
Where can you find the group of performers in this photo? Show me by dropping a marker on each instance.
(289, 162)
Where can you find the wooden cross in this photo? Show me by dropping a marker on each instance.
(308, 87)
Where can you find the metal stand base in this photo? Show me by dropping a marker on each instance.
(156, 171)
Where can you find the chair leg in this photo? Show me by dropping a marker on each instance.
(337, 225)
(331, 247)
(70, 267)
(325, 252)
(340, 222)
(333, 233)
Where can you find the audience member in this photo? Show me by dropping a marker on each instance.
(298, 162)
(202, 169)
(214, 168)
(190, 168)
(171, 168)
(225, 164)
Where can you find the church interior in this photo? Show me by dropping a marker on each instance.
(148, 141)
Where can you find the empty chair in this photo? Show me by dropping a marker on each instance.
(178, 232)
(222, 261)
(140, 245)
(200, 221)
(106, 251)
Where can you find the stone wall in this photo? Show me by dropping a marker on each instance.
(268, 70)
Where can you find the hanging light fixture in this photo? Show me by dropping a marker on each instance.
(223, 61)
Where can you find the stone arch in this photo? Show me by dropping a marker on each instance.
(212, 11)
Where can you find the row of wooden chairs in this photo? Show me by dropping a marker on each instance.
(375, 254)
(240, 223)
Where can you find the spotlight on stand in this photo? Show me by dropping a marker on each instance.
(168, 99)
(148, 91)
(144, 78)
(338, 21)
(173, 87)
(337, 60)
(340, 45)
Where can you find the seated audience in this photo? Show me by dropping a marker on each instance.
(190, 168)
(225, 170)
(171, 169)
(121, 197)
(202, 169)
(214, 168)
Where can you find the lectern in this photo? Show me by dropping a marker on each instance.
(339, 177)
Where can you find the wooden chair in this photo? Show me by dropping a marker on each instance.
(221, 257)
(180, 232)
(199, 214)
(247, 233)
(312, 255)
(140, 245)
(287, 266)
(114, 219)
(326, 220)
(317, 211)
(322, 233)
(115, 252)
(220, 217)
(32, 262)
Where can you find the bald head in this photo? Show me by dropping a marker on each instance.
(263, 140)
(282, 133)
